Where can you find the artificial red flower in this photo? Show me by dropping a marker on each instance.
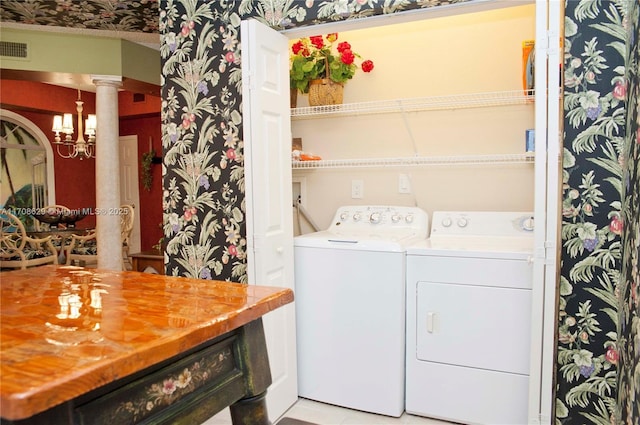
(317, 41)
(318, 57)
(343, 46)
(347, 57)
(296, 47)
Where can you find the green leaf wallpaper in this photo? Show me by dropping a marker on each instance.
(130, 15)
(628, 292)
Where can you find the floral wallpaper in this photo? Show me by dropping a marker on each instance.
(203, 200)
(628, 294)
(595, 90)
(122, 15)
(204, 177)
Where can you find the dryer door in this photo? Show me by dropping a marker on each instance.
(474, 326)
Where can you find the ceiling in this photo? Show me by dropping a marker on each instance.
(133, 20)
(137, 20)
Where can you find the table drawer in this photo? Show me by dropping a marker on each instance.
(153, 395)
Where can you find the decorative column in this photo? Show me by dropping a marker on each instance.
(108, 172)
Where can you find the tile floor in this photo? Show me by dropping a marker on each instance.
(326, 414)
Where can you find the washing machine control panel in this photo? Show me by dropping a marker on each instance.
(382, 218)
(480, 223)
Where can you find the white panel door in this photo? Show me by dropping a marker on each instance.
(267, 150)
(129, 193)
(465, 325)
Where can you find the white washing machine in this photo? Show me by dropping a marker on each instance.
(469, 318)
(350, 307)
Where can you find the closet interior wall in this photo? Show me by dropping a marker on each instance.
(464, 55)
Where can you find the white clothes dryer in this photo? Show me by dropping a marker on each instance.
(350, 307)
(469, 318)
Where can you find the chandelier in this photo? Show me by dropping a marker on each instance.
(67, 147)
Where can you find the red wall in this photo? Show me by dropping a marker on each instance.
(44, 97)
(75, 179)
(150, 201)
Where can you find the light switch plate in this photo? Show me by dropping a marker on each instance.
(404, 183)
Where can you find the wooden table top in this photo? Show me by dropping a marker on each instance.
(67, 330)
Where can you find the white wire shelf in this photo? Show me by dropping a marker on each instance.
(417, 161)
(473, 100)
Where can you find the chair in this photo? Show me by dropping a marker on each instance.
(19, 251)
(84, 249)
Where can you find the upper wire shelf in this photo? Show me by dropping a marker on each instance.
(528, 157)
(473, 100)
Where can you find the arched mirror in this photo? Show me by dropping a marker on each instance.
(26, 158)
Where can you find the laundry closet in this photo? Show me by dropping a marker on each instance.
(444, 123)
(439, 123)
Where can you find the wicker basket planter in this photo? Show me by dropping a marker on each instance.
(325, 92)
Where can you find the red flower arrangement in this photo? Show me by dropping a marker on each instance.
(314, 58)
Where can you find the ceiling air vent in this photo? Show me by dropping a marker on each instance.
(13, 50)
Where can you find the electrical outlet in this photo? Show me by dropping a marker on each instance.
(357, 189)
(298, 192)
(404, 184)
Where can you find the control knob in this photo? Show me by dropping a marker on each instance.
(357, 216)
(409, 218)
(462, 222)
(344, 215)
(446, 222)
(374, 218)
(528, 224)
(395, 218)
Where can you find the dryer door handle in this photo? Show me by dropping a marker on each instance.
(432, 318)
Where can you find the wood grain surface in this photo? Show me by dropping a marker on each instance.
(68, 330)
